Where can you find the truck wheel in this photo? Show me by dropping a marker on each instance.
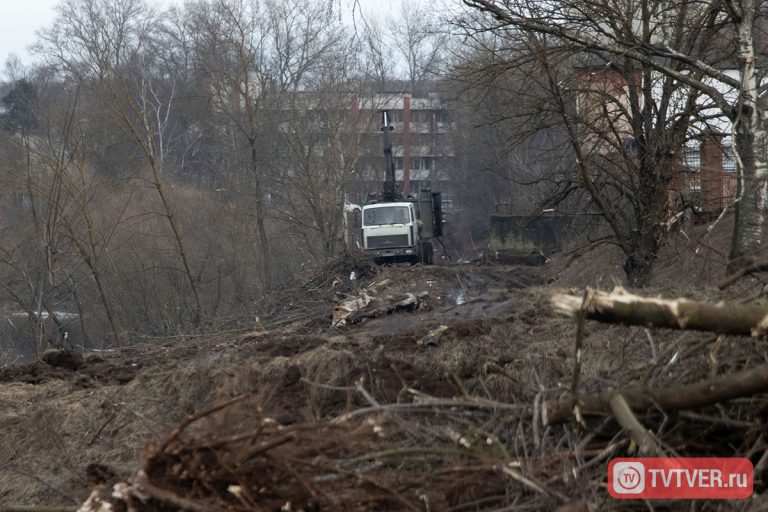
(417, 258)
(426, 253)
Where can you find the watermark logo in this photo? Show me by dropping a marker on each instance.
(628, 477)
(680, 478)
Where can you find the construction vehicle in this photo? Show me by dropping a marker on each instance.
(397, 228)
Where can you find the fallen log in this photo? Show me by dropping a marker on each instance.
(622, 307)
(687, 396)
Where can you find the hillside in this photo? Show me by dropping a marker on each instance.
(428, 399)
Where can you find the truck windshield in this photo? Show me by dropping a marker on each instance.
(386, 215)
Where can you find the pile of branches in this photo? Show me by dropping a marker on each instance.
(429, 455)
(307, 300)
(702, 397)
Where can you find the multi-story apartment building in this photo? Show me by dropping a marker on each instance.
(421, 140)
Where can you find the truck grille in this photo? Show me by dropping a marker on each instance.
(386, 242)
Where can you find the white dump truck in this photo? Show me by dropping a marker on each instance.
(402, 230)
(399, 228)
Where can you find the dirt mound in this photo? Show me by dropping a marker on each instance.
(93, 371)
(306, 302)
(299, 371)
(456, 426)
(433, 408)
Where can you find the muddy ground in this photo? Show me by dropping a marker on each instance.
(478, 331)
(60, 426)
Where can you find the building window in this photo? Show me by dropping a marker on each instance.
(422, 139)
(729, 159)
(692, 157)
(694, 198)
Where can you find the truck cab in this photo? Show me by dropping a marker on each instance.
(391, 231)
(402, 230)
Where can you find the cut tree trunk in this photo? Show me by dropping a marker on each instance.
(621, 307)
(638, 267)
(699, 394)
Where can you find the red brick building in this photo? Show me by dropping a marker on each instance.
(706, 178)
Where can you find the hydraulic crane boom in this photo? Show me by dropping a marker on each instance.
(389, 189)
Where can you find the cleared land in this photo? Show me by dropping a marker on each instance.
(430, 398)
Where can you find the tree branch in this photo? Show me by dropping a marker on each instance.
(646, 443)
(688, 396)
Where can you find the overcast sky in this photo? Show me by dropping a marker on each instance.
(18, 23)
(21, 19)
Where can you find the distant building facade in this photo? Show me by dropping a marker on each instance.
(706, 177)
(422, 147)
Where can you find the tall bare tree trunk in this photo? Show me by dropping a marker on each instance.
(92, 262)
(265, 263)
(750, 211)
(200, 315)
(750, 141)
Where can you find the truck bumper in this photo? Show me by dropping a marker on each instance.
(392, 253)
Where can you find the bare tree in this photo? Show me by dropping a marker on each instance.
(684, 43)
(419, 42)
(254, 58)
(320, 149)
(38, 177)
(88, 238)
(102, 45)
(377, 54)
